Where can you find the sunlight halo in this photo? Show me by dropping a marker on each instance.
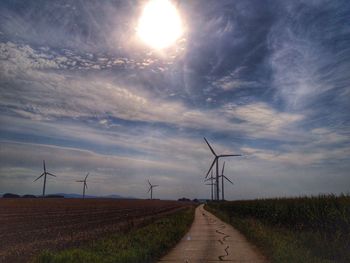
(159, 25)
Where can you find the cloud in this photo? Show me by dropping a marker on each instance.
(49, 95)
(77, 158)
(260, 120)
(324, 136)
(144, 143)
(305, 64)
(86, 26)
(234, 81)
(22, 58)
(262, 115)
(320, 147)
(16, 58)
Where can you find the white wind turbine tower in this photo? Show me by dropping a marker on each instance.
(212, 184)
(151, 188)
(222, 181)
(84, 185)
(216, 161)
(44, 174)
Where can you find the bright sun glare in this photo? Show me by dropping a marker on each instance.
(160, 24)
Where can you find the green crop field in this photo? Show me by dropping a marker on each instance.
(306, 229)
(135, 245)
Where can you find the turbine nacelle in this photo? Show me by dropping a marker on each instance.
(216, 158)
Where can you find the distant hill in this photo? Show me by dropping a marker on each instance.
(10, 195)
(114, 196)
(72, 195)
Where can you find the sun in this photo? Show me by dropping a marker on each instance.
(160, 24)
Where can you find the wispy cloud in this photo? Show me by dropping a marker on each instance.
(305, 62)
(75, 96)
(234, 81)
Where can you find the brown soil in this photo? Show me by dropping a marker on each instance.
(29, 226)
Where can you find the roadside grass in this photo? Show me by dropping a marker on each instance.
(284, 242)
(144, 244)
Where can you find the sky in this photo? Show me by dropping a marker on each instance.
(266, 79)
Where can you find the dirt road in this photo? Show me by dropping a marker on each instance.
(212, 240)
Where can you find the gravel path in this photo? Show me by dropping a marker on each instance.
(212, 240)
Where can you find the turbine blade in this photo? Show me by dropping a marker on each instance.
(228, 179)
(211, 166)
(223, 168)
(229, 155)
(51, 174)
(39, 177)
(211, 149)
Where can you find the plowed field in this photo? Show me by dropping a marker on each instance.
(28, 226)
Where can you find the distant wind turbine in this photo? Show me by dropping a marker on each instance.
(85, 184)
(212, 184)
(222, 181)
(216, 161)
(151, 188)
(44, 174)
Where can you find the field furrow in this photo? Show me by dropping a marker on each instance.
(27, 227)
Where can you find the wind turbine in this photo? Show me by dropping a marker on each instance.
(44, 174)
(211, 179)
(151, 188)
(216, 161)
(85, 184)
(222, 181)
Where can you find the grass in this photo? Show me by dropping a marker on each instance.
(308, 229)
(144, 244)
